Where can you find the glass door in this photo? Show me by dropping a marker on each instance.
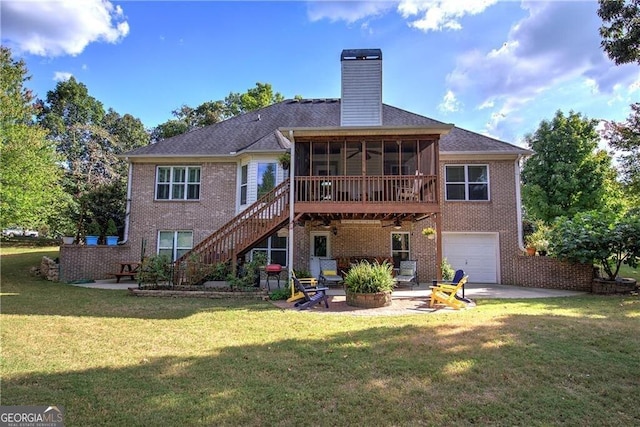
(320, 248)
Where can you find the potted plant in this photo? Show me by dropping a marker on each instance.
(111, 232)
(93, 233)
(369, 285)
(538, 240)
(68, 232)
(285, 160)
(430, 232)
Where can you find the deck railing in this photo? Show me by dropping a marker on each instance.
(258, 221)
(376, 189)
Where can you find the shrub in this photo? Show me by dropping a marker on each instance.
(280, 294)
(600, 237)
(111, 229)
(366, 278)
(302, 274)
(155, 269)
(93, 229)
(447, 271)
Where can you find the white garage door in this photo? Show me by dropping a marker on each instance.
(475, 253)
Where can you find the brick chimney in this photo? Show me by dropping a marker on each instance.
(361, 98)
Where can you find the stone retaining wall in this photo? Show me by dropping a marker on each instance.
(197, 294)
(49, 269)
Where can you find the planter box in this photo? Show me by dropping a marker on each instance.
(610, 287)
(380, 299)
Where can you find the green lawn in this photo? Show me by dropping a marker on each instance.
(114, 359)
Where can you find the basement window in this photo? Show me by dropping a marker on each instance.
(174, 244)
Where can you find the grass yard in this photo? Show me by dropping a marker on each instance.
(113, 359)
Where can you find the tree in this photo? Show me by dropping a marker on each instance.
(29, 173)
(620, 31)
(567, 174)
(210, 112)
(625, 137)
(597, 236)
(90, 140)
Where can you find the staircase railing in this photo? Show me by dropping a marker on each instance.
(269, 213)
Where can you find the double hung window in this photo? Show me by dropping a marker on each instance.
(178, 183)
(467, 182)
(275, 249)
(174, 244)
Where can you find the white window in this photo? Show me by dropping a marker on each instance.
(275, 249)
(399, 247)
(178, 183)
(244, 181)
(467, 182)
(174, 244)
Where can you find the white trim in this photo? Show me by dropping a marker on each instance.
(519, 204)
(327, 234)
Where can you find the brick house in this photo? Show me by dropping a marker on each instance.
(365, 178)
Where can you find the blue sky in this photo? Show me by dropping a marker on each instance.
(493, 67)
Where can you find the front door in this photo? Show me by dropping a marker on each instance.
(320, 248)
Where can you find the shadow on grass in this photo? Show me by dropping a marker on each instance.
(503, 372)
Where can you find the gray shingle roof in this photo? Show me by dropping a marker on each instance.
(258, 131)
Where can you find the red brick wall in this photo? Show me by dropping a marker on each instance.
(216, 205)
(498, 214)
(78, 262)
(547, 272)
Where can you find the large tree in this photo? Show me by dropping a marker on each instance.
(567, 174)
(625, 138)
(620, 30)
(29, 172)
(187, 118)
(90, 140)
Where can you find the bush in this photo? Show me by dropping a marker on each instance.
(447, 271)
(280, 294)
(365, 278)
(155, 269)
(111, 229)
(598, 237)
(302, 274)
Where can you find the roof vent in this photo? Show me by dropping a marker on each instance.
(361, 100)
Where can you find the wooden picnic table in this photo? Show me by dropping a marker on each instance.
(127, 269)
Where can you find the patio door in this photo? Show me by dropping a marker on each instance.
(320, 248)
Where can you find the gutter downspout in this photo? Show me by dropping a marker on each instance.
(127, 212)
(519, 203)
(292, 165)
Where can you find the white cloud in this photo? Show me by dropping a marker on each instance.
(61, 27)
(61, 76)
(436, 15)
(425, 15)
(551, 57)
(348, 11)
(450, 103)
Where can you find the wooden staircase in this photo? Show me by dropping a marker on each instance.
(268, 214)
